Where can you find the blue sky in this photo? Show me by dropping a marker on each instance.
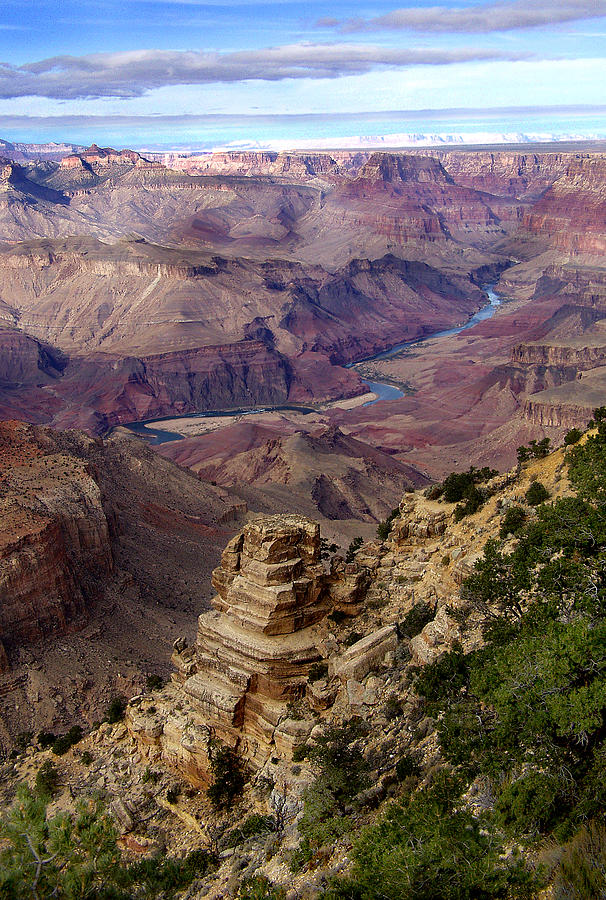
(142, 72)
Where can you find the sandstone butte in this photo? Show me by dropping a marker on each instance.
(253, 649)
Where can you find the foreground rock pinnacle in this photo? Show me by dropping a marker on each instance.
(252, 652)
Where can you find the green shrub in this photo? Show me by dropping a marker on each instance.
(581, 872)
(63, 743)
(115, 710)
(407, 767)
(67, 856)
(46, 739)
(23, 740)
(523, 454)
(530, 804)
(300, 753)
(416, 619)
(540, 449)
(384, 528)
(253, 826)
(47, 779)
(392, 709)
(475, 499)
(443, 678)
(259, 887)
(296, 709)
(76, 857)
(353, 549)
(173, 793)
(426, 847)
(337, 616)
(162, 877)
(86, 758)
(460, 485)
(228, 775)
(326, 549)
(512, 521)
(340, 774)
(536, 494)
(352, 638)
(573, 437)
(154, 682)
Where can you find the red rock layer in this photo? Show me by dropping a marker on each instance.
(54, 542)
(503, 173)
(571, 215)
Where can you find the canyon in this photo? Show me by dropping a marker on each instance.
(133, 291)
(287, 328)
(265, 286)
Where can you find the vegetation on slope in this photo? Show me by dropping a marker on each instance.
(516, 798)
(518, 801)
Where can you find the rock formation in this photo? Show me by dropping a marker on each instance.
(252, 653)
(570, 215)
(98, 157)
(55, 551)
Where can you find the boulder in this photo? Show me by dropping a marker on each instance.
(365, 655)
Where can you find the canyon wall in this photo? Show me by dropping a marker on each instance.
(55, 548)
(571, 215)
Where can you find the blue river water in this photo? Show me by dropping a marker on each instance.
(386, 391)
(382, 390)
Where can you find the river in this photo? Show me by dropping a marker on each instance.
(385, 391)
(381, 389)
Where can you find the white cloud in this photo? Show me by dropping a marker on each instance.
(134, 73)
(489, 17)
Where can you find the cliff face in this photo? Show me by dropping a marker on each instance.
(502, 173)
(96, 156)
(99, 392)
(581, 357)
(571, 214)
(135, 298)
(243, 374)
(24, 360)
(55, 543)
(268, 163)
(408, 198)
(95, 538)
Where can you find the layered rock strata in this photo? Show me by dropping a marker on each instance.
(252, 653)
(55, 548)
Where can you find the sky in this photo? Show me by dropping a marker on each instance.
(191, 73)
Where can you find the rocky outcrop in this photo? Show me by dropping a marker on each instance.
(584, 354)
(548, 410)
(363, 656)
(418, 521)
(55, 538)
(95, 157)
(392, 168)
(252, 653)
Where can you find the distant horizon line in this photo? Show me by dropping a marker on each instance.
(430, 112)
